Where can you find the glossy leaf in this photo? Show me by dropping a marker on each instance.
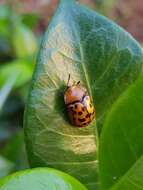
(122, 138)
(40, 179)
(5, 167)
(105, 59)
(133, 180)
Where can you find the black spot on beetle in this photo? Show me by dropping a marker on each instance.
(81, 120)
(88, 115)
(79, 113)
(83, 109)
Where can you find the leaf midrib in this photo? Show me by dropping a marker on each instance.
(77, 34)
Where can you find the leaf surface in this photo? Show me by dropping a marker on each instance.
(40, 179)
(105, 59)
(133, 179)
(121, 140)
(5, 167)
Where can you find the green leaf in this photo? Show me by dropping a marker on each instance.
(6, 89)
(14, 149)
(5, 16)
(21, 68)
(23, 40)
(40, 179)
(105, 6)
(5, 50)
(105, 59)
(30, 19)
(121, 138)
(4, 27)
(4, 11)
(133, 180)
(5, 167)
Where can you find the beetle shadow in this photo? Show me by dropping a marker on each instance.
(60, 106)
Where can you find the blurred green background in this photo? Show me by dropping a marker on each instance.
(22, 23)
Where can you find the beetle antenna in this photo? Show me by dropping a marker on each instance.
(68, 80)
(78, 83)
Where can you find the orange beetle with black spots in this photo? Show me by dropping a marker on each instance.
(79, 106)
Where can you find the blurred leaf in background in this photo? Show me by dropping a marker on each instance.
(21, 69)
(23, 41)
(18, 48)
(6, 90)
(5, 167)
(104, 6)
